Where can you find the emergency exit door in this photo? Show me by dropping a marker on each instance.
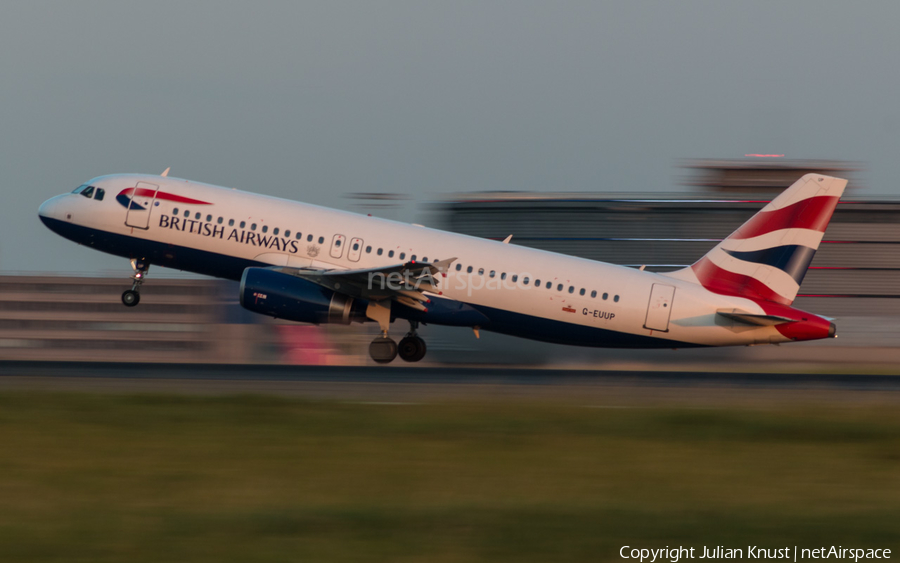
(139, 201)
(660, 307)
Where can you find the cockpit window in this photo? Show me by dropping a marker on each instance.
(98, 195)
(88, 192)
(79, 189)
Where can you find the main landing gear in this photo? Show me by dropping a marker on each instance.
(411, 349)
(131, 297)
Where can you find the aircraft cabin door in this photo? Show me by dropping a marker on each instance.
(337, 246)
(139, 204)
(660, 307)
(355, 249)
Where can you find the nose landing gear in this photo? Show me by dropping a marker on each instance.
(131, 297)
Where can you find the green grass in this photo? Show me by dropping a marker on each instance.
(173, 478)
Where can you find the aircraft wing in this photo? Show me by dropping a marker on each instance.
(405, 283)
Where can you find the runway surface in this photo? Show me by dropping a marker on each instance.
(414, 384)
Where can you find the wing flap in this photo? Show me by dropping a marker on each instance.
(407, 280)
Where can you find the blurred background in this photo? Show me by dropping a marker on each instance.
(635, 133)
(854, 278)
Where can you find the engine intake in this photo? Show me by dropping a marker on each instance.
(284, 296)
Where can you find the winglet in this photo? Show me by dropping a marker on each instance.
(166, 172)
(507, 239)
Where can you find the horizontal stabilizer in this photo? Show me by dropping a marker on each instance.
(752, 318)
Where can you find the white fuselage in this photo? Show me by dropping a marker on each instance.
(581, 293)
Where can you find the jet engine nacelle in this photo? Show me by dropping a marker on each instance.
(284, 296)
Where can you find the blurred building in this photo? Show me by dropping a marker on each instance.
(72, 318)
(759, 176)
(855, 275)
(178, 320)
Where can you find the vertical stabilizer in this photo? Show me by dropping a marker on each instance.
(767, 257)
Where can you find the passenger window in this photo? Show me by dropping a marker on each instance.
(89, 192)
(231, 222)
(537, 283)
(252, 226)
(187, 213)
(98, 195)
(492, 274)
(175, 211)
(424, 259)
(380, 251)
(458, 267)
(197, 216)
(337, 242)
(391, 254)
(321, 240)
(221, 219)
(243, 224)
(549, 285)
(403, 256)
(503, 276)
(275, 231)
(368, 250)
(469, 270)
(581, 292)
(287, 233)
(309, 238)
(209, 218)
(572, 289)
(413, 257)
(594, 294)
(525, 280)
(265, 228)
(515, 278)
(616, 298)
(480, 271)
(605, 296)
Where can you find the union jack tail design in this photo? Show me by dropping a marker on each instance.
(767, 257)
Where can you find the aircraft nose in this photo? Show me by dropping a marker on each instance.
(49, 210)
(44, 209)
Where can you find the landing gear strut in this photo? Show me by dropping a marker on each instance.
(131, 297)
(412, 347)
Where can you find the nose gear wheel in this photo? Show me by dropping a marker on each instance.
(131, 297)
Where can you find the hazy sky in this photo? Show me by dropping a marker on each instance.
(314, 100)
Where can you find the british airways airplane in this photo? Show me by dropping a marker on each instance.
(317, 265)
